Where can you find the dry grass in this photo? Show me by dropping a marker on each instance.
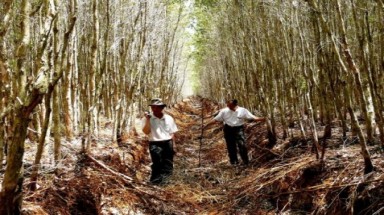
(286, 179)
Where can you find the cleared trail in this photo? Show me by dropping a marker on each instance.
(202, 173)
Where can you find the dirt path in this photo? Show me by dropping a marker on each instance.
(203, 174)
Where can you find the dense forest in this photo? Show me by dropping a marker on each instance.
(77, 76)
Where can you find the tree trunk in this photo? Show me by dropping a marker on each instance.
(4, 92)
(67, 104)
(67, 61)
(355, 124)
(56, 126)
(312, 123)
(2, 143)
(11, 195)
(41, 142)
(92, 115)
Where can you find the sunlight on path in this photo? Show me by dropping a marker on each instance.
(187, 86)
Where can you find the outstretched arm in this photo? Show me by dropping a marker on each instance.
(260, 119)
(250, 116)
(210, 122)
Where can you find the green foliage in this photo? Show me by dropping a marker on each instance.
(206, 3)
(202, 24)
(175, 1)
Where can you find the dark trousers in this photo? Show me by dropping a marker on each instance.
(162, 160)
(235, 139)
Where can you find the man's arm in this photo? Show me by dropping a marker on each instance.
(259, 119)
(210, 122)
(253, 117)
(147, 125)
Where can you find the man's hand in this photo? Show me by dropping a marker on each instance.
(147, 125)
(209, 123)
(260, 119)
(147, 115)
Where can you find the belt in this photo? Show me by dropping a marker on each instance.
(240, 126)
(160, 142)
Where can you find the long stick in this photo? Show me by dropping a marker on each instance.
(202, 129)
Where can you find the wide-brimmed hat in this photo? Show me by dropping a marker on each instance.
(157, 102)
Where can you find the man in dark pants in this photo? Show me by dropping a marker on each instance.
(234, 137)
(160, 128)
(234, 118)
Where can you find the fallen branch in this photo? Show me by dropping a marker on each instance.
(321, 187)
(113, 172)
(130, 180)
(265, 149)
(125, 178)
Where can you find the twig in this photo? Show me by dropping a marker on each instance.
(202, 130)
(378, 211)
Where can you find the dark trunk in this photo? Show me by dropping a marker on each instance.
(11, 195)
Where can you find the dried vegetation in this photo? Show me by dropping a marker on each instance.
(286, 179)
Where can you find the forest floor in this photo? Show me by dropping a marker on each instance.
(286, 179)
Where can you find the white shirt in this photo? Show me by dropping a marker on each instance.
(234, 118)
(162, 129)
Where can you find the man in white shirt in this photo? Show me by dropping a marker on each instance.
(234, 118)
(160, 128)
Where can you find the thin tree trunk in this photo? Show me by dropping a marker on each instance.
(67, 104)
(92, 113)
(312, 123)
(374, 94)
(2, 143)
(4, 93)
(57, 66)
(355, 124)
(41, 142)
(68, 72)
(56, 126)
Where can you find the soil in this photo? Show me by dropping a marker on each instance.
(285, 179)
